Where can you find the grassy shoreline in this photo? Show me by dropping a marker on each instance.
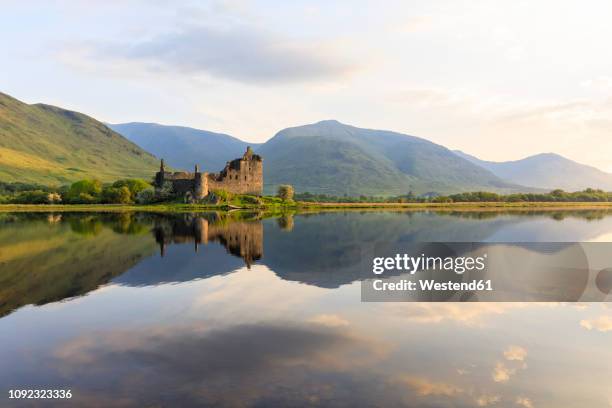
(307, 206)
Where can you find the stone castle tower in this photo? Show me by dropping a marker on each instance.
(240, 176)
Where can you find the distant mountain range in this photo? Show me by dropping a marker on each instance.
(334, 158)
(546, 171)
(49, 145)
(184, 147)
(325, 157)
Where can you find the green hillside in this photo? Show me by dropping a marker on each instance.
(49, 145)
(334, 158)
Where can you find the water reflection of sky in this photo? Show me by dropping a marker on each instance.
(253, 337)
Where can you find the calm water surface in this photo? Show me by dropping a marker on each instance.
(242, 310)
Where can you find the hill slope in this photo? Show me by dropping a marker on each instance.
(546, 170)
(334, 158)
(49, 145)
(184, 147)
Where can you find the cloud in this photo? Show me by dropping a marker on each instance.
(602, 323)
(413, 24)
(240, 53)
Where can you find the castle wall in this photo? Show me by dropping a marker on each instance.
(240, 176)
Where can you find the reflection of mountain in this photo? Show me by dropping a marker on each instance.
(330, 249)
(47, 258)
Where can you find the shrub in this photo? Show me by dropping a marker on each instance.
(31, 197)
(84, 191)
(116, 195)
(285, 192)
(134, 186)
(146, 196)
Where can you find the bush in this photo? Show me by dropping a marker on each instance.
(166, 192)
(116, 195)
(285, 192)
(31, 197)
(134, 186)
(84, 191)
(146, 196)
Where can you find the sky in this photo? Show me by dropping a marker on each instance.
(501, 80)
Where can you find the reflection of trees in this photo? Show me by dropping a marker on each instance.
(588, 214)
(285, 222)
(46, 258)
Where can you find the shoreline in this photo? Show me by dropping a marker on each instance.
(306, 206)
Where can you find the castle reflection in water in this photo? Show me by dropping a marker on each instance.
(241, 238)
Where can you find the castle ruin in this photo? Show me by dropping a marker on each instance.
(240, 176)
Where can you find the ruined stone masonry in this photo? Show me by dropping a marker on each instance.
(241, 176)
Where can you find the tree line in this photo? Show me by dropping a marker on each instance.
(587, 195)
(89, 191)
(131, 191)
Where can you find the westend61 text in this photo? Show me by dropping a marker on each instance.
(429, 284)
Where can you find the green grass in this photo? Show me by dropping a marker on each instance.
(273, 204)
(52, 146)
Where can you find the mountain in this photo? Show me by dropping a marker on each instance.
(546, 170)
(334, 158)
(184, 147)
(50, 145)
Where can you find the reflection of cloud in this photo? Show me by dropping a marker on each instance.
(602, 323)
(470, 314)
(240, 53)
(424, 387)
(515, 353)
(515, 356)
(329, 320)
(501, 373)
(246, 364)
(486, 400)
(524, 402)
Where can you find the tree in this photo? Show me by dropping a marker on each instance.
(84, 191)
(285, 192)
(116, 195)
(134, 186)
(146, 196)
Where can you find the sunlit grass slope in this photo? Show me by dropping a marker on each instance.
(49, 145)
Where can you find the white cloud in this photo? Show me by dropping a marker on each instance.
(242, 53)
